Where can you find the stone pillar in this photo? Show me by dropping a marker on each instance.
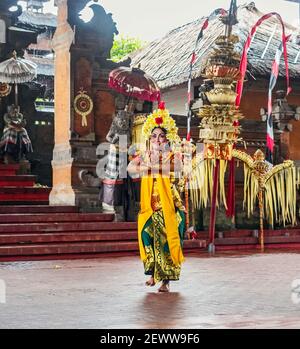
(62, 192)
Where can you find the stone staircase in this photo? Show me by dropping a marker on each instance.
(20, 189)
(30, 229)
(45, 232)
(41, 232)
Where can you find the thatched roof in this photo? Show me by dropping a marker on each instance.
(167, 60)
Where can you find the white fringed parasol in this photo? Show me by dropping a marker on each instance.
(17, 71)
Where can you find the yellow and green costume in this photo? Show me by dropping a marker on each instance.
(161, 227)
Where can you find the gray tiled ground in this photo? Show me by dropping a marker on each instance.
(251, 291)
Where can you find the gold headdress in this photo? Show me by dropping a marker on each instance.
(161, 119)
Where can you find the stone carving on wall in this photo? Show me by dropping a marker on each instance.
(99, 31)
(282, 113)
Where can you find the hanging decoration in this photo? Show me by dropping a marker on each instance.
(83, 105)
(273, 80)
(273, 187)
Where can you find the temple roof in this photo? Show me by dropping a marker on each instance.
(167, 59)
(36, 19)
(45, 66)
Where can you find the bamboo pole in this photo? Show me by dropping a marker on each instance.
(212, 224)
(261, 219)
(187, 215)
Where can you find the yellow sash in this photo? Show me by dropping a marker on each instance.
(171, 223)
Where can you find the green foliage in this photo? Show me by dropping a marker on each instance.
(123, 46)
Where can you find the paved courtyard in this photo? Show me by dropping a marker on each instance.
(227, 291)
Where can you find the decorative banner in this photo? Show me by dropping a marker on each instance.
(213, 15)
(83, 105)
(244, 60)
(5, 89)
(273, 80)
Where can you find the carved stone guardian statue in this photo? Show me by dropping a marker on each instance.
(114, 193)
(15, 142)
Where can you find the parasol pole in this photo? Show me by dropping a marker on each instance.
(187, 208)
(14, 54)
(16, 95)
(189, 116)
(213, 211)
(128, 100)
(261, 218)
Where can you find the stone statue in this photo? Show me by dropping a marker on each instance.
(13, 117)
(15, 142)
(121, 126)
(113, 193)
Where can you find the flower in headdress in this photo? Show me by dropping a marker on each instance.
(159, 121)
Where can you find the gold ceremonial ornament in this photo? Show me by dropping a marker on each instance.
(137, 135)
(219, 126)
(83, 105)
(219, 122)
(5, 89)
(273, 186)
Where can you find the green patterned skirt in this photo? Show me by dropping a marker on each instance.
(159, 263)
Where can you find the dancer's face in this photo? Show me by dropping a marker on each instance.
(158, 139)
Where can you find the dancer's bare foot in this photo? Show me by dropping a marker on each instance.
(165, 286)
(150, 282)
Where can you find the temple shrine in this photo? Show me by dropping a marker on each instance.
(50, 199)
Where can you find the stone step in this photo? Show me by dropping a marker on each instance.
(250, 248)
(32, 209)
(16, 194)
(68, 248)
(24, 203)
(236, 241)
(57, 217)
(194, 244)
(255, 241)
(66, 227)
(282, 239)
(252, 233)
(283, 233)
(69, 256)
(55, 249)
(8, 170)
(237, 233)
(10, 239)
(17, 181)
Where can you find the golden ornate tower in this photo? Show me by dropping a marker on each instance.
(219, 127)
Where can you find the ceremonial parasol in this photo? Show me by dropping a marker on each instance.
(134, 82)
(16, 71)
